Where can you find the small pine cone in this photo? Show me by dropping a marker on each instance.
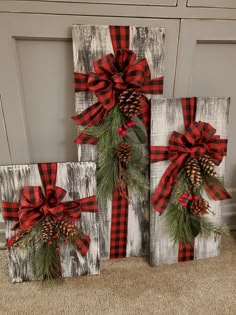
(194, 171)
(207, 165)
(200, 207)
(130, 103)
(66, 228)
(123, 152)
(47, 231)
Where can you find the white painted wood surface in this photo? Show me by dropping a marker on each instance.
(78, 179)
(90, 43)
(166, 117)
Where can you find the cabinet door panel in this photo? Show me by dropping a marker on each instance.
(206, 66)
(212, 3)
(45, 69)
(132, 2)
(36, 81)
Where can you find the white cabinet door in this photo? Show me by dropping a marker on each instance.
(36, 82)
(206, 66)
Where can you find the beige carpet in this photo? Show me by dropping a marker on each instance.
(130, 286)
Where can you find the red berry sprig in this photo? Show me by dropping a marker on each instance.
(122, 129)
(184, 198)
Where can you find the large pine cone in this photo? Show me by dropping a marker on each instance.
(47, 230)
(123, 152)
(66, 228)
(200, 207)
(207, 165)
(130, 103)
(194, 172)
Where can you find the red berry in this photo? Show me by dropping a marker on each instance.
(184, 196)
(195, 197)
(180, 199)
(190, 198)
(129, 124)
(126, 127)
(57, 235)
(184, 204)
(133, 123)
(65, 242)
(119, 129)
(58, 249)
(49, 242)
(123, 133)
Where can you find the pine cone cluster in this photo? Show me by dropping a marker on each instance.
(194, 168)
(123, 152)
(130, 103)
(194, 172)
(48, 227)
(66, 228)
(200, 207)
(207, 165)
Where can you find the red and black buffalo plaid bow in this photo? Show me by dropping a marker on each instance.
(198, 140)
(113, 74)
(34, 205)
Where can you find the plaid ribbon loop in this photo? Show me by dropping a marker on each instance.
(198, 140)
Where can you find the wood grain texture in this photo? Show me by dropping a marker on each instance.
(167, 116)
(90, 43)
(215, 111)
(78, 179)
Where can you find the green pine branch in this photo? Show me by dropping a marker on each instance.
(181, 223)
(133, 174)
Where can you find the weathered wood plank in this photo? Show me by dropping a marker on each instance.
(215, 111)
(90, 43)
(166, 117)
(78, 179)
(146, 42)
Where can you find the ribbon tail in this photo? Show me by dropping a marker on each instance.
(83, 138)
(82, 242)
(161, 196)
(12, 240)
(217, 192)
(91, 116)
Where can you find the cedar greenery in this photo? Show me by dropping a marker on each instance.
(109, 174)
(182, 224)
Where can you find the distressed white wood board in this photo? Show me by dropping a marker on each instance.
(167, 116)
(91, 42)
(78, 179)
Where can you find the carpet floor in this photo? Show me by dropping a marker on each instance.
(131, 286)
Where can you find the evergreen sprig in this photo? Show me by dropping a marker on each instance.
(134, 173)
(182, 224)
(46, 262)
